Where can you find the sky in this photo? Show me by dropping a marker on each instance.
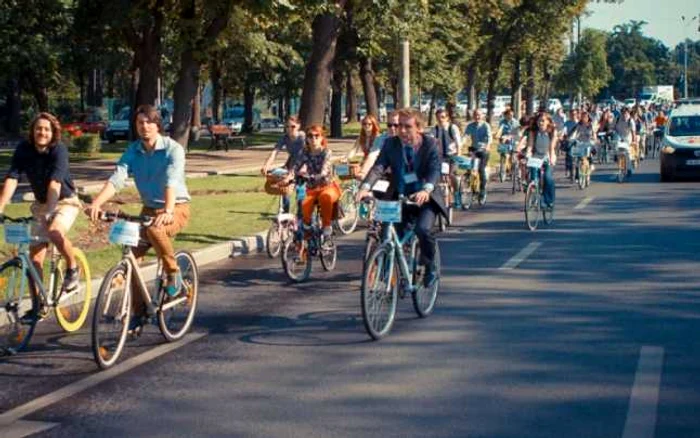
(663, 18)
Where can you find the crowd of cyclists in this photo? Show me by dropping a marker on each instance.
(411, 157)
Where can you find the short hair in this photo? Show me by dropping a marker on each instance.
(508, 112)
(410, 113)
(392, 114)
(55, 128)
(152, 115)
(440, 112)
(294, 119)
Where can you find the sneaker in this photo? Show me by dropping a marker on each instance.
(430, 275)
(173, 284)
(327, 232)
(71, 281)
(136, 325)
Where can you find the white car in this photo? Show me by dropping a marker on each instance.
(629, 103)
(553, 105)
(680, 150)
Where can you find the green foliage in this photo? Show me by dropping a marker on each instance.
(586, 69)
(87, 144)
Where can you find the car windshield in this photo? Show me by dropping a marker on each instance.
(645, 97)
(124, 114)
(684, 126)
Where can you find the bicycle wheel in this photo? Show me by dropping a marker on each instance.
(176, 314)
(424, 298)
(296, 260)
(532, 206)
(502, 169)
(379, 293)
(72, 308)
(329, 255)
(548, 215)
(347, 223)
(516, 180)
(621, 168)
(465, 192)
(582, 175)
(273, 243)
(110, 320)
(19, 307)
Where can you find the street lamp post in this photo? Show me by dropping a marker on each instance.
(685, 55)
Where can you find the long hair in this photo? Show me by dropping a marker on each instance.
(55, 128)
(152, 115)
(375, 129)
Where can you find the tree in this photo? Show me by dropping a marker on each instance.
(586, 70)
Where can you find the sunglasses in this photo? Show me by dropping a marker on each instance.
(292, 126)
(314, 135)
(392, 125)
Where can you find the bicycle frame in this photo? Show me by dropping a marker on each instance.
(27, 266)
(392, 239)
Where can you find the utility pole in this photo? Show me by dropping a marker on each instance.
(685, 54)
(405, 75)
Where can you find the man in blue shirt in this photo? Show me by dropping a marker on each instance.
(157, 165)
(480, 133)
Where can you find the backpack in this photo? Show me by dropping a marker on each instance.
(449, 134)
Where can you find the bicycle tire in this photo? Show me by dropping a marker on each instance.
(176, 314)
(532, 206)
(273, 241)
(112, 310)
(502, 169)
(465, 193)
(378, 300)
(621, 168)
(423, 298)
(15, 331)
(75, 306)
(292, 251)
(329, 257)
(348, 222)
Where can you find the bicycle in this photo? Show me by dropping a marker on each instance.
(173, 314)
(658, 139)
(623, 151)
(298, 251)
(25, 292)
(348, 215)
(505, 149)
(533, 195)
(519, 172)
(280, 228)
(382, 284)
(469, 183)
(582, 174)
(448, 195)
(604, 142)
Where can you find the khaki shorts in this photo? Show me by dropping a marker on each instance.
(66, 212)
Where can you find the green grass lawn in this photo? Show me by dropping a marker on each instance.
(223, 207)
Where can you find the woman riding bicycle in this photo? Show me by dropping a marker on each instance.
(314, 164)
(366, 142)
(541, 142)
(583, 134)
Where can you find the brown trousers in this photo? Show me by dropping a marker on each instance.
(160, 239)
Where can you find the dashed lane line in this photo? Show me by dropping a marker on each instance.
(641, 414)
(587, 200)
(521, 256)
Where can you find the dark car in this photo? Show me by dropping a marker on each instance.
(680, 150)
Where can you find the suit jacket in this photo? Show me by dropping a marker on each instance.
(428, 170)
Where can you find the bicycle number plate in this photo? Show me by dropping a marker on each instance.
(465, 163)
(535, 162)
(342, 170)
(125, 233)
(445, 168)
(387, 211)
(18, 233)
(381, 186)
(504, 148)
(692, 162)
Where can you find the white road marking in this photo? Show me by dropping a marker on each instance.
(11, 416)
(521, 256)
(641, 414)
(581, 205)
(22, 428)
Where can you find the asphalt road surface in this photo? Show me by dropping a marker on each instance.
(585, 328)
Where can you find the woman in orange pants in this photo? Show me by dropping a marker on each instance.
(315, 163)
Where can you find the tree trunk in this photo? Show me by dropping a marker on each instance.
(287, 104)
(317, 76)
(367, 78)
(14, 105)
(248, 102)
(196, 119)
(547, 86)
(147, 54)
(492, 78)
(530, 88)
(515, 84)
(81, 86)
(337, 105)
(41, 94)
(351, 97)
(217, 90)
(135, 78)
(471, 91)
(432, 107)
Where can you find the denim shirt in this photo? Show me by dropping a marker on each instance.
(480, 133)
(153, 171)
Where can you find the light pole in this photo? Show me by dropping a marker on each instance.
(685, 54)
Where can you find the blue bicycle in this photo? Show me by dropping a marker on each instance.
(383, 284)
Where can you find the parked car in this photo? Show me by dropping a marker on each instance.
(270, 123)
(234, 119)
(553, 105)
(680, 150)
(118, 129)
(92, 123)
(629, 103)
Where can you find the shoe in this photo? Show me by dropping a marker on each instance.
(136, 325)
(629, 173)
(327, 232)
(173, 284)
(430, 276)
(592, 168)
(71, 281)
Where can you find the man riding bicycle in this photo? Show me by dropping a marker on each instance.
(448, 141)
(157, 165)
(479, 131)
(293, 143)
(415, 170)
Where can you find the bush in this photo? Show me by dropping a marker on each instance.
(87, 144)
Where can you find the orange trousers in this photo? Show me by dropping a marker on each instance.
(326, 196)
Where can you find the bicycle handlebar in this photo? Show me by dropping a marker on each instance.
(16, 220)
(108, 216)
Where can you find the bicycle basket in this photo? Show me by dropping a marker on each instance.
(18, 233)
(464, 163)
(580, 151)
(535, 163)
(274, 184)
(125, 233)
(346, 171)
(387, 211)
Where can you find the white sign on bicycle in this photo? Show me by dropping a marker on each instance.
(342, 169)
(17, 233)
(445, 168)
(388, 211)
(535, 162)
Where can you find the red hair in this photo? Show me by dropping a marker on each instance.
(317, 129)
(375, 129)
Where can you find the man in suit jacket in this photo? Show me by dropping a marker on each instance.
(415, 170)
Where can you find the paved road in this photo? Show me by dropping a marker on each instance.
(594, 334)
